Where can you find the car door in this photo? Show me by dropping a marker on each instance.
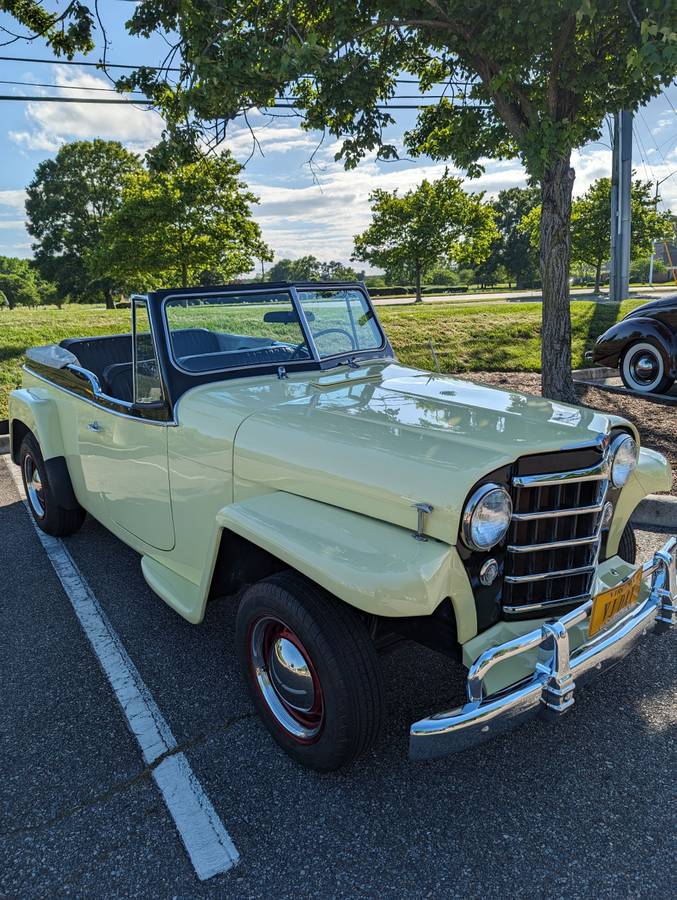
(123, 449)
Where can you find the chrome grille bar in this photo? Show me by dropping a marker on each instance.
(561, 562)
(552, 545)
(546, 604)
(597, 472)
(558, 513)
(544, 576)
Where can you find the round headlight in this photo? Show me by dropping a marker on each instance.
(624, 453)
(486, 517)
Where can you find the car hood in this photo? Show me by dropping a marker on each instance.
(379, 440)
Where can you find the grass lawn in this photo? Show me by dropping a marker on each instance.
(480, 337)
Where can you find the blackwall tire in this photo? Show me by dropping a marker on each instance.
(627, 546)
(644, 368)
(48, 515)
(311, 669)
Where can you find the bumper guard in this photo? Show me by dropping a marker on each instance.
(549, 692)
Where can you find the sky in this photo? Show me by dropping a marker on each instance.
(303, 208)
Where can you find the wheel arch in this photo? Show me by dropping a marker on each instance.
(610, 346)
(371, 565)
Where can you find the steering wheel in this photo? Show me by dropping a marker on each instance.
(353, 345)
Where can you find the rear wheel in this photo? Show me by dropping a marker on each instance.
(311, 669)
(49, 516)
(644, 368)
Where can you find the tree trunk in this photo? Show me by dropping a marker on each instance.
(108, 294)
(419, 298)
(184, 274)
(598, 275)
(556, 188)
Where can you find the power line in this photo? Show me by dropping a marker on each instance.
(84, 87)
(65, 87)
(107, 65)
(106, 100)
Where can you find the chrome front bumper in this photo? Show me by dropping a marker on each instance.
(549, 691)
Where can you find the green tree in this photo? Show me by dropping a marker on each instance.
(177, 224)
(305, 268)
(18, 292)
(537, 78)
(69, 200)
(410, 233)
(21, 284)
(515, 251)
(591, 224)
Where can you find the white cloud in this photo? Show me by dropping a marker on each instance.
(13, 199)
(6, 224)
(51, 124)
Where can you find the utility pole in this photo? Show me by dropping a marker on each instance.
(621, 184)
(655, 205)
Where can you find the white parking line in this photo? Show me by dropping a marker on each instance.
(209, 845)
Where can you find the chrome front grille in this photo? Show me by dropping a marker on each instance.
(554, 538)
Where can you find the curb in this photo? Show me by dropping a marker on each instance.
(596, 378)
(656, 511)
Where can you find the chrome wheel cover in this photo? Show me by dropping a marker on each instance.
(286, 679)
(643, 368)
(34, 488)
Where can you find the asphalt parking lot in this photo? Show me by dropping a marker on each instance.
(584, 808)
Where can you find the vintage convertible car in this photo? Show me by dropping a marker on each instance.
(262, 443)
(643, 346)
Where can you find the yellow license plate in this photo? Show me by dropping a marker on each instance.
(608, 604)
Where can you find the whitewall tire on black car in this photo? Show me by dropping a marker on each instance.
(644, 368)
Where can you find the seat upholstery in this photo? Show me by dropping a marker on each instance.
(194, 341)
(117, 381)
(97, 353)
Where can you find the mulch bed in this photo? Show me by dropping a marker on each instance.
(655, 421)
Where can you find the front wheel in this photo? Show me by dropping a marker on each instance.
(644, 368)
(311, 669)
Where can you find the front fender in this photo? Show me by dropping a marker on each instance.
(610, 345)
(37, 412)
(375, 566)
(653, 474)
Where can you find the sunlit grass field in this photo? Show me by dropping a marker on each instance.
(475, 337)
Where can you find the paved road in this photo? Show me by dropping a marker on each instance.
(581, 809)
(637, 293)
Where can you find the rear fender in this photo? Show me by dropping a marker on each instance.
(28, 410)
(372, 565)
(609, 347)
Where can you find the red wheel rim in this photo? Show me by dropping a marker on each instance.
(286, 679)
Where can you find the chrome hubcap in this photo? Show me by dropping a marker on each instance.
(291, 676)
(644, 368)
(34, 486)
(287, 679)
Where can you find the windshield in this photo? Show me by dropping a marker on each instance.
(234, 331)
(340, 321)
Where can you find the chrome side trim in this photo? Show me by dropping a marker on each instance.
(598, 472)
(552, 545)
(543, 576)
(558, 513)
(114, 412)
(551, 687)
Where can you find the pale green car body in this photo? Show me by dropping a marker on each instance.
(323, 471)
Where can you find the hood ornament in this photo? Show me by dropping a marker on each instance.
(423, 510)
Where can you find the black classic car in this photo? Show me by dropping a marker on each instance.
(643, 346)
